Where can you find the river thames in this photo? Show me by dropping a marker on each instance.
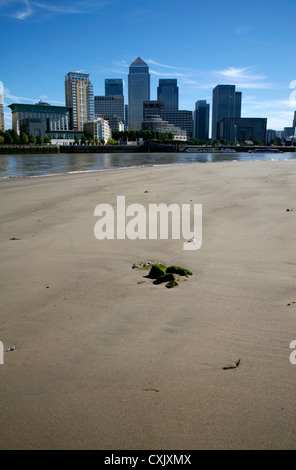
(34, 165)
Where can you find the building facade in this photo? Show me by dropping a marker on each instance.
(201, 120)
(116, 124)
(179, 118)
(155, 123)
(98, 129)
(114, 87)
(138, 92)
(226, 103)
(79, 95)
(270, 135)
(243, 129)
(109, 106)
(50, 118)
(168, 92)
(2, 123)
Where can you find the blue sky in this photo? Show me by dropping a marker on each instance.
(202, 44)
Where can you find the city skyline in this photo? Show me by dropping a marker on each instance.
(249, 46)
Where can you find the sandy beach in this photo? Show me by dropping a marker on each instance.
(105, 359)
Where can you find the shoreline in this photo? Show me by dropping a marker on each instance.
(105, 359)
(103, 170)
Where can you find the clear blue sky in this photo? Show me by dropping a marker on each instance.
(202, 44)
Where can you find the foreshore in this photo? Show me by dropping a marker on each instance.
(98, 357)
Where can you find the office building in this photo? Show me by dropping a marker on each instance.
(98, 129)
(116, 124)
(179, 118)
(168, 92)
(114, 87)
(270, 136)
(288, 133)
(242, 130)
(155, 123)
(2, 123)
(79, 95)
(201, 120)
(138, 92)
(226, 104)
(109, 106)
(40, 118)
(152, 108)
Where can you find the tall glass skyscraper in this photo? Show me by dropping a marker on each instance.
(114, 87)
(79, 94)
(226, 104)
(168, 92)
(201, 119)
(138, 92)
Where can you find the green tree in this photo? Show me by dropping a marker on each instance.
(32, 139)
(47, 139)
(7, 138)
(24, 138)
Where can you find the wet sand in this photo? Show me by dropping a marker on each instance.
(105, 359)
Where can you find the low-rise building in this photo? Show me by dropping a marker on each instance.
(50, 118)
(155, 123)
(98, 129)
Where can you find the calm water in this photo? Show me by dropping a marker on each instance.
(41, 165)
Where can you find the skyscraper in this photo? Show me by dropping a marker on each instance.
(138, 91)
(114, 87)
(2, 124)
(109, 106)
(80, 97)
(226, 104)
(168, 92)
(201, 118)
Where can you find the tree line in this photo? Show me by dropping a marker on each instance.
(125, 136)
(11, 137)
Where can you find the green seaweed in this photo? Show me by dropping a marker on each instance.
(171, 284)
(164, 278)
(179, 270)
(157, 270)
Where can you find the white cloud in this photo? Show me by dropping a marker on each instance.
(242, 73)
(25, 9)
(153, 62)
(243, 77)
(19, 99)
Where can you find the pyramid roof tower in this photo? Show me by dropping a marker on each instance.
(139, 62)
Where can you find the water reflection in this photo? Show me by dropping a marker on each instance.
(34, 165)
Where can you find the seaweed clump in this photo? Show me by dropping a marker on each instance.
(157, 270)
(165, 278)
(161, 274)
(179, 270)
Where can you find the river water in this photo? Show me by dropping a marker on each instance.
(13, 166)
